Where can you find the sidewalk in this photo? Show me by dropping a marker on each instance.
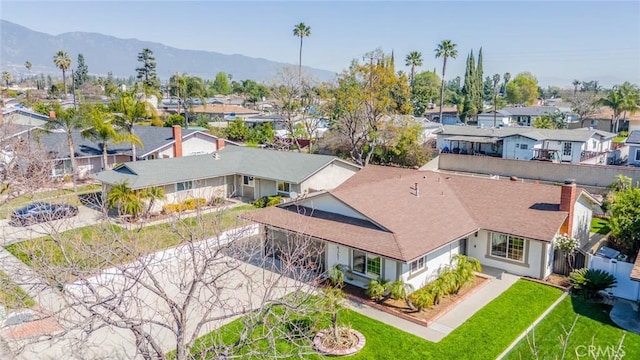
(455, 317)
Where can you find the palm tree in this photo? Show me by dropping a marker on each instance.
(446, 49)
(496, 81)
(67, 120)
(102, 131)
(62, 60)
(129, 108)
(575, 83)
(506, 77)
(152, 195)
(301, 30)
(620, 99)
(121, 196)
(413, 59)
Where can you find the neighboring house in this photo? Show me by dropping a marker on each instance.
(21, 116)
(158, 143)
(633, 141)
(527, 143)
(219, 111)
(233, 171)
(521, 116)
(449, 113)
(399, 224)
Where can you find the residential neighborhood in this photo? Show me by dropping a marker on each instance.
(313, 195)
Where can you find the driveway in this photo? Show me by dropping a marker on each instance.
(10, 234)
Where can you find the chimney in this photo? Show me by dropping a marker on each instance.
(177, 145)
(219, 144)
(417, 190)
(568, 196)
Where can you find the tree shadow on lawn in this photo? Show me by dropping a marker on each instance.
(592, 310)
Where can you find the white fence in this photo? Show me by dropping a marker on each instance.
(626, 288)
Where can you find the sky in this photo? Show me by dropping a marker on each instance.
(556, 41)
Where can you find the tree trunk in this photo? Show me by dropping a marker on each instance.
(105, 165)
(444, 67)
(300, 60)
(74, 167)
(64, 83)
(133, 145)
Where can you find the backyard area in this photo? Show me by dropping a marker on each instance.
(593, 327)
(88, 249)
(483, 336)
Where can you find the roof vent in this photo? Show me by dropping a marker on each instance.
(216, 155)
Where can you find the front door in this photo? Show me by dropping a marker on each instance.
(567, 148)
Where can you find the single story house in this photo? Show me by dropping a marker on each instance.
(158, 143)
(633, 141)
(233, 171)
(574, 146)
(22, 116)
(400, 224)
(519, 115)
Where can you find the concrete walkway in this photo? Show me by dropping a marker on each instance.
(445, 324)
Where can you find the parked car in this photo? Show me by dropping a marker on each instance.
(41, 212)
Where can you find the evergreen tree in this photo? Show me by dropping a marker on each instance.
(147, 72)
(478, 85)
(82, 72)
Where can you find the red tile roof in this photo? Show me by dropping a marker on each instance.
(448, 207)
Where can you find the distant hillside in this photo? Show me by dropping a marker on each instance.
(104, 53)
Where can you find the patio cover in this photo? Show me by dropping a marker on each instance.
(474, 139)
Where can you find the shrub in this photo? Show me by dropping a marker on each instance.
(157, 122)
(588, 282)
(421, 299)
(376, 290)
(266, 201)
(336, 275)
(192, 204)
(170, 208)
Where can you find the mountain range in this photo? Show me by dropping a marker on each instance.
(103, 54)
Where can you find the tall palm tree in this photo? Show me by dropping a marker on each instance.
(67, 120)
(129, 108)
(575, 83)
(301, 30)
(619, 99)
(413, 59)
(102, 131)
(446, 49)
(62, 60)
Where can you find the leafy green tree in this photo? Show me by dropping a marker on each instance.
(426, 88)
(301, 30)
(237, 130)
(400, 143)
(623, 206)
(544, 122)
(446, 49)
(146, 73)
(62, 60)
(100, 129)
(67, 120)
(174, 119)
(81, 75)
(414, 60)
(129, 108)
(523, 89)
(261, 134)
(42, 108)
(487, 89)
(221, 84)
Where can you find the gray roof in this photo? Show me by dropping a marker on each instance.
(291, 167)
(530, 110)
(24, 117)
(634, 138)
(577, 135)
(151, 136)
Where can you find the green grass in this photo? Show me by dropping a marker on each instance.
(593, 324)
(484, 336)
(600, 226)
(55, 196)
(88, 249)
(12, 296)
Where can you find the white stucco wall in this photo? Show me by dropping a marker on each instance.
(198, 144)
(487, 120)
(509, 150)
(436, 260)
(582, 215)
(329, 177)
(328, 203)
(533, 266)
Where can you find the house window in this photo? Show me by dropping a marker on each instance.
(522, 146)
(367, 264)
(284, 187)
(247, 180)
(508, 247)
(182, 186)
(637, 154)
(566, 149)
(418, 264)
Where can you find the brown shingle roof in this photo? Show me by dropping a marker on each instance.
(448, 207)
(635, 272)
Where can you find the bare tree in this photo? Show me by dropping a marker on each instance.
(145, 304)
(584, 104)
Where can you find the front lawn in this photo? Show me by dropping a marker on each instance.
(88, 249)
(484, 336)
(593, 324)
(12, 296)
(600, 226)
